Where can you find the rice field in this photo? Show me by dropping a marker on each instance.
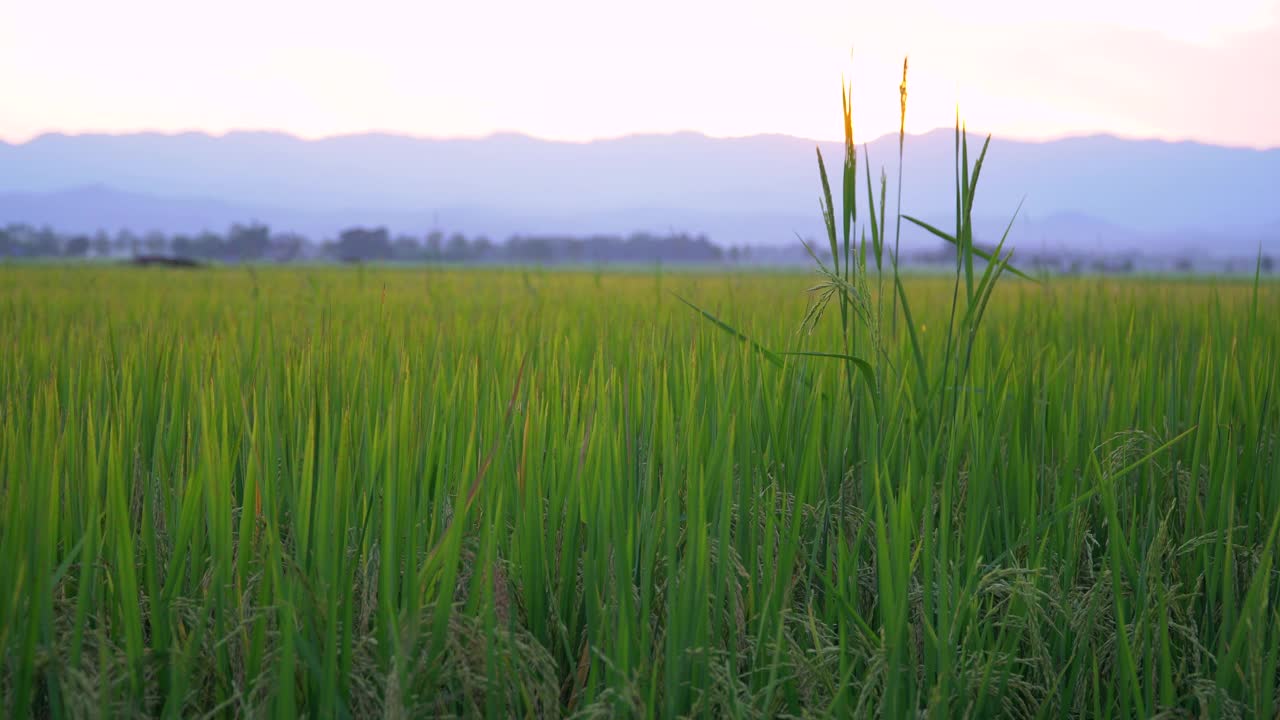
(425, 493)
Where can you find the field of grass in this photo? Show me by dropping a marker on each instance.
(419, 493)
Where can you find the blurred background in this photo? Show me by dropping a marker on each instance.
(1137, 136)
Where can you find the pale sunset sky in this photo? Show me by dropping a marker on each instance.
(585, 69)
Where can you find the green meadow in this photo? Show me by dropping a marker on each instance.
(424, 493)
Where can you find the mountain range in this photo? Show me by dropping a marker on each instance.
(1083, 193)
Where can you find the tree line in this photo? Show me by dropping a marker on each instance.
(255, 242)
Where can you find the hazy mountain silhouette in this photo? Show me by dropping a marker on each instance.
(1079, 192)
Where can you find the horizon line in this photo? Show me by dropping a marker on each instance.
(218, 135)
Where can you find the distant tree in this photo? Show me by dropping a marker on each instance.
(406, 248)
(1267, 264)
(435, 243)
(360, 243)
(182, 246)
(101, 243)
(481, 247)
(526, 249)
(639, 247)
(77, 246)
(208, 246)
(18, 240)
(127, 242)
(155, 243)
(7, 245)
(44, 243)
(456, 250)
(248, 242)
(286, 247)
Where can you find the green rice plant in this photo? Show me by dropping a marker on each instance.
(341, 498)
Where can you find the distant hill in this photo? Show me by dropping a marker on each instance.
(1080, 193)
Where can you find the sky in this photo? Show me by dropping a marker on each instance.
(584, 69)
